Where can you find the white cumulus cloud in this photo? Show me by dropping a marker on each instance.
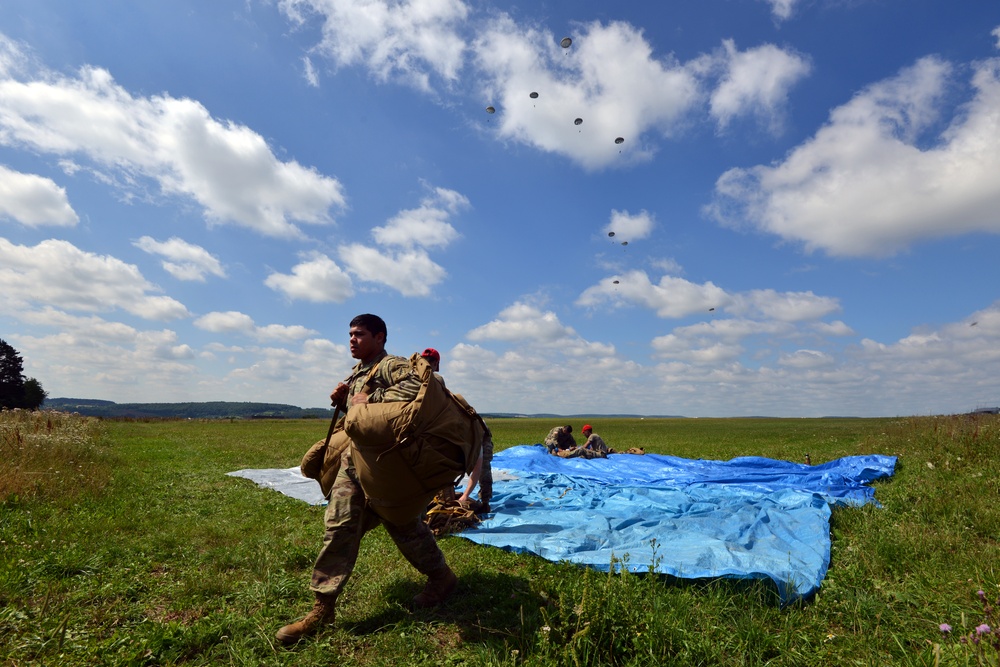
(403, 262)
(782, 10)
(183, 260)
(34, 200)
(609, 79)
(232, 321)
(783, 306)
(671, 297)
(869, 183)
(410, 272)
(225, 322)
(226, 167)
(520, 322)
(317, 278)
(626, 227)
(407, 40)
(806, 359)
(425, 226)
(59, 274)
(756, 82)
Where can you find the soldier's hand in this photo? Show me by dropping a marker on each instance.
(359, 399)
(339, 394)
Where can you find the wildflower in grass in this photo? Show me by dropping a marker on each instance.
(982, 638)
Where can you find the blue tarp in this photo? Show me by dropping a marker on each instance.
(749, 517)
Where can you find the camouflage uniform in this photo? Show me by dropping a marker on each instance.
(486, 476)
(596, 444)
(559, 439)
(594, 448)
(348, 516)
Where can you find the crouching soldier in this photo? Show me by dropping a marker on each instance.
(594, 448)
(560, 438)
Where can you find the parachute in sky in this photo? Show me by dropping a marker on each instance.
(533, 96)
(624, 242)
(711, 309)
(611, 233)
(565, 42)
(490, 110)
(577, 121)
(615, 282)
(620, 140)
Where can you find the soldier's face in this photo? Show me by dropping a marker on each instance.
(364, 345)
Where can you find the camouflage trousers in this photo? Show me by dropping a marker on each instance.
(348, 517)
(486, 476)
(580, 451)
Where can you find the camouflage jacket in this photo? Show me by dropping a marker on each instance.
(557, 437)
(392, 380)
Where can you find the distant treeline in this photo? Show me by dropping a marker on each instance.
(233, 410)
(209, 410)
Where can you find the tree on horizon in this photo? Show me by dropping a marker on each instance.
(15, 390)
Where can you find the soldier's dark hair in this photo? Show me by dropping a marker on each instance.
(569, 428)
(372, 323)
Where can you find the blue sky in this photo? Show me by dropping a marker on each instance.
(196, 198)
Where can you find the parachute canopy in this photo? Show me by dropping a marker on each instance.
(620, 140)
(565, 42)
(577, 121)
(611, 233)
(533, 96)
(490, 110)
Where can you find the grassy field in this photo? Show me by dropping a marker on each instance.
(125, 543)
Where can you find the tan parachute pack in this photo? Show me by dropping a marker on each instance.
(404, 453)
(322, 461)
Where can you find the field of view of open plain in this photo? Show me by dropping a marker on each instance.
(125, 543)
(706, 211)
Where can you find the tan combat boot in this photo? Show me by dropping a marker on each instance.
(322, 613)
(437, 589)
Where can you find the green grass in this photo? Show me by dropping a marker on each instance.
(143, 552)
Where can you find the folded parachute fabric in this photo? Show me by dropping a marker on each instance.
(749, 517)
(287, 481)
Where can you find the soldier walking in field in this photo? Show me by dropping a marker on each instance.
(377, 378)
